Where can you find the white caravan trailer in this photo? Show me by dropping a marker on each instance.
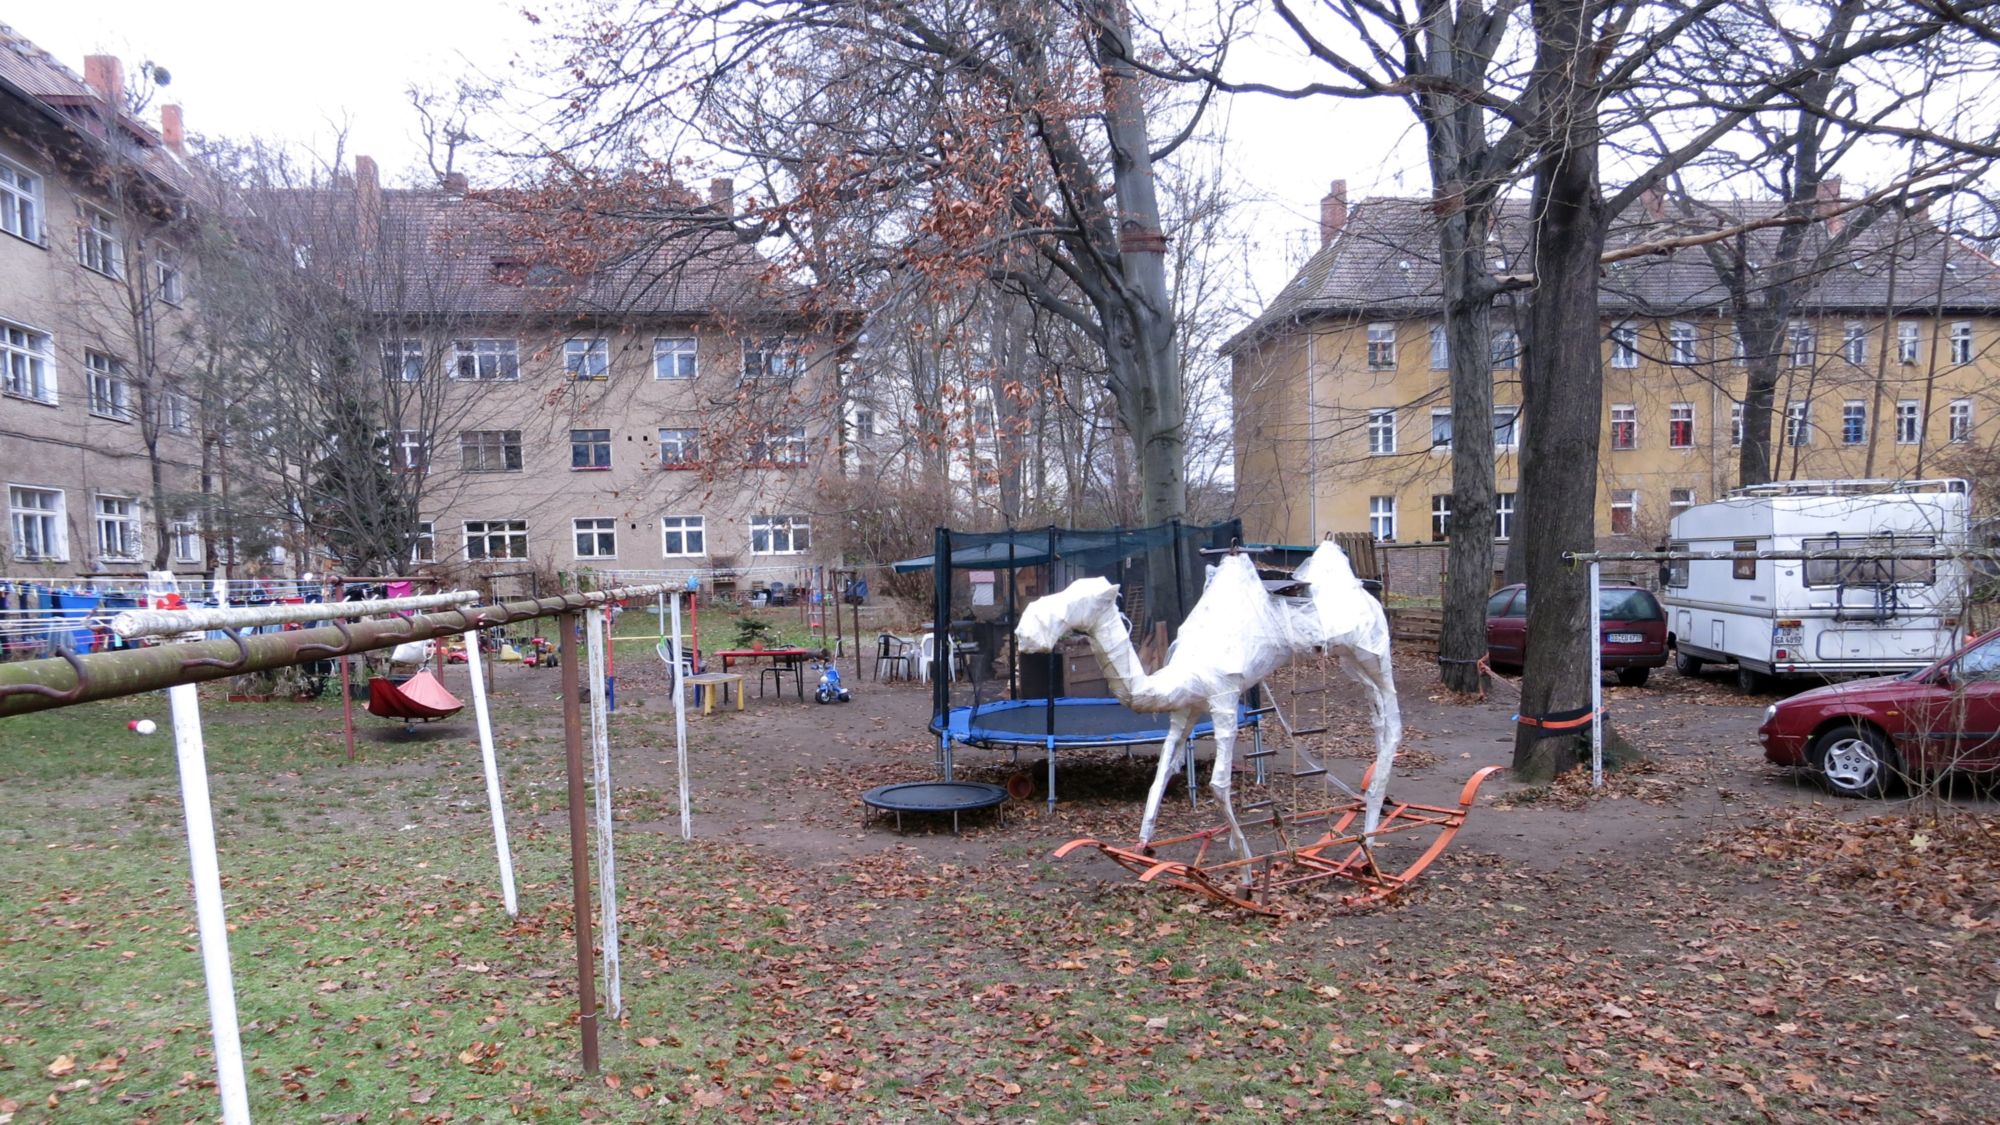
(1826, 618)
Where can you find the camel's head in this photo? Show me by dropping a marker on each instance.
(1048, 620)
(1327, 568)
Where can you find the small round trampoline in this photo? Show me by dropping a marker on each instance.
(952, 797)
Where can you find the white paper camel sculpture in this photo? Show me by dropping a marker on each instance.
(1237, 635)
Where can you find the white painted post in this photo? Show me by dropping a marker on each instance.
(681, 723)
(1596, 681)
(494, 804)
(607, 865)
(210, 924)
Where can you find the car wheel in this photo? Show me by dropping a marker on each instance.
(1854, 761)
(1633, 677)
(1687, 665)
(1749, 681)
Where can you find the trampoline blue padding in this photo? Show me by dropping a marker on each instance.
(1077, 722)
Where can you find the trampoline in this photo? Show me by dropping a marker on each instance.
(1069, 723)
(952, 797)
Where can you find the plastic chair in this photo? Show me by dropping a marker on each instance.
(777, 672)
(893, 654)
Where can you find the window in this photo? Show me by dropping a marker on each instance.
(1906, 341)
(1624, 510)
(680, 449)
(180, 413)
(168, 283)
(1381, 346)
(118, 528)
(20, 202)
(1800, 337)
(1441, 428)
(28, 371)
(110, 395)
(1677, 569)
(1909, 426)
(1503, 515)
(1381, 431)
(682, 536)
(770, 357)
(496, 539)
(1506, 427)
(596, 538)
(780, 535)
(1737, 355)
(1679, 500)
(1798, 425)
(1624, 346)
(1961, 342)
(1440, 348)
(98, 245)
(1624, 426)
(403, 360)
(587, 359)
(1680, 425)
(589, 449)
(1506, 350)
(673, 357)
(184, 533)
(1745, 569)
(1382, 518)
(1854, 344)
(423, 546)
(1903, 572)
(1735, 423)
(1680, 344)
(864, 422)
(39, 526)
(781, 445)
(486, 360)
(1853, 422)
(1440, 517)
(1960, 420)
(490, 451)
(410, 450)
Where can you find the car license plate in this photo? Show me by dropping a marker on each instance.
(1625, 638)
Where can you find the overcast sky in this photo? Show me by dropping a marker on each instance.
(305, 73)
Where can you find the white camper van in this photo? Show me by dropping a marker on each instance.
(1825, 618)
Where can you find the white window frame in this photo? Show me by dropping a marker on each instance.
(1381, 432)
(1738, 357)
(1801, 343)
(1735, 425)
(781, 535)
(1679, 500)
(1381, 351)
(1505, 349)
(486, 359)
(110, 391)
(27, 363)
(1440, 517)
(1853, 422)
(1382, 518)
(683, 537)
(600, 526)
(52, 521)
(676, 357)
(1510, 432)
(1682, 348)
(1626, 414)
(184, 538)
(775, 358)
(100, 247)
(120, 535)
(21, 206)
(1503, 516)
(487, 532)
(410, 450)
(1441, 421)
(781, 447)
(423, 545)
(1677, 413)
(1854, 343)
(593, 444)
(403, 360)
(686, 445)
(168, 282)
(179, 413)
(1908, 336)
(1909, 422)
(587, 357)
(1627, 501)
(1958, 417)
(1440, 348)
(1961, 341)
(476, 441)
(1798, 423)
(1624, 346)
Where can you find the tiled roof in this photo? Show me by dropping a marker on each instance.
(39, 75)
(1384, 262)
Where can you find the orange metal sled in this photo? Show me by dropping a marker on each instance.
(1336, 853)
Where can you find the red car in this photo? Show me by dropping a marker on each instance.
(1860, 737)
(1634, 627)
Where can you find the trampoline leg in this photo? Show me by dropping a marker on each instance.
(1191, 772)
(1257, 750)
(1052, 779)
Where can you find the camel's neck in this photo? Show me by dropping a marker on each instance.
(1112, 644)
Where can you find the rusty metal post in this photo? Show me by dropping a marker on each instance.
(347, 704)
(579, 850)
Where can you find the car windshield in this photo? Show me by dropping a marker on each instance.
(1627, 605)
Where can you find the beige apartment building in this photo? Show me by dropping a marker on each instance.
(1342, 398)
(100, 452)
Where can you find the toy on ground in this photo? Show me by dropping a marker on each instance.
(421, 698)
(829, 689)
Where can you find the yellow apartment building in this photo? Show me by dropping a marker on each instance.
(1342, 401)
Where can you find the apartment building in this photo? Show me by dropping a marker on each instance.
(1341, 391)
(100, 450)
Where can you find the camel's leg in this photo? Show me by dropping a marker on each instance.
(1380, 680)
(1170, 760)
(1222, 713)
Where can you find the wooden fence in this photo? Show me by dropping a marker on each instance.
(1417, 628)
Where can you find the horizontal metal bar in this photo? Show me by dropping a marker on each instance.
(165, 622)
(1843, 555)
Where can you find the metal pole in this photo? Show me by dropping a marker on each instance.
(210, 923)
(579, 842)
(494, 804)
(151, 623)
(1596, 683)
(600, 771)
(940, 605)
(1054, 662)
(681, 724)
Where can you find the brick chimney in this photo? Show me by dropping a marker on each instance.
(722, 195)
(1826, 203)
(1333, 212)
(171, 130)
(105, 75)
(456, 183)
(367, 200)
(1654, 201)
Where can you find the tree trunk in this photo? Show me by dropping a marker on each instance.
(1566, 374)
(1468, 306)
(1760, 332)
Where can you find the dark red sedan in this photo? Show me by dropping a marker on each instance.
(1634, 628)
(1859, 738)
